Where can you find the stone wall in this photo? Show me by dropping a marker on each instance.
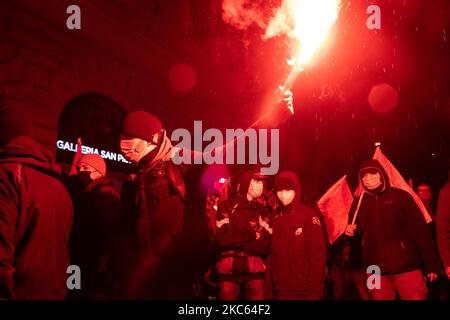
(43, 64)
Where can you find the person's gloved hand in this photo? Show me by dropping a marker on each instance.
(350, 230)
(287, 100)
(432, 277)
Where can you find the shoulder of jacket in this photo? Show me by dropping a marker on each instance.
(307, 210)
(311, 215)
(445, 189)
(398, 191)
(108, 189)
(406, 196)
(11, 171)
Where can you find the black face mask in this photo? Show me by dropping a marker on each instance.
(83, 178)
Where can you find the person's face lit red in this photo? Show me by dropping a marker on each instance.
(424, 193)
(255, 189)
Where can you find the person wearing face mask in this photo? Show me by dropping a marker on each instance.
(168, 234)
(394, 236)
(166, 215)
(96, 215)
(297, 260)
(243, 241)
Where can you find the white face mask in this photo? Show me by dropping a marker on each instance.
(372, 181)
(286, 196)
(135, 149)
(255, 189)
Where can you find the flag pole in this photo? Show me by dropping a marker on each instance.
(73, 168)
(357, 208)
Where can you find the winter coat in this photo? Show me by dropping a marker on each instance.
(298, 255)
(35, 223)
(163, 223)
(443, 224)
(241, 252)
(394, 234)
(97, 212)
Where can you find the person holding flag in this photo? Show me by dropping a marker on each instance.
(394, 236)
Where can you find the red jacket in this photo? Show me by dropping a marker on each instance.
(35, 222)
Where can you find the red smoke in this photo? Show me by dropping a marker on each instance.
(243, 13)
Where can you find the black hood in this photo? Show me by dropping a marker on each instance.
(29, 153)
(244, 182)
(375, 164)
(287, 175)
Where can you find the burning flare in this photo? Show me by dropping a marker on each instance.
(307, 21)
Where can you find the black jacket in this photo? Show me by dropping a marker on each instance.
(35, 223)
(394, 234)
(298, 255)
(164, 221)
(97, 212)
(239, 235)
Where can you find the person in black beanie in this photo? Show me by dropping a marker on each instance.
(296, 264)
(171, 227)
(35, 215)
(170, 232)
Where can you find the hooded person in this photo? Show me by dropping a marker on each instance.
(243, 242)
(97, 212)
(394, 236)
(169, 232)
(35, 215)
(298, 254)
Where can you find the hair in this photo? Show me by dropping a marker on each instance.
(424, 184)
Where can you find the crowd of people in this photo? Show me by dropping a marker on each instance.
(160, 238)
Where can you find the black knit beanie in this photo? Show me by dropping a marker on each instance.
(141, 124)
